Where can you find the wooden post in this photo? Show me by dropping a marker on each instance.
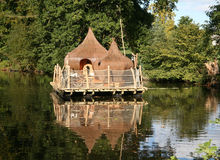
(140, 117)
(108, 76)
(135, 128)
(59, 113)
(87, 112)
(58, 71)
(54, 73)
(122, 140)
(134, 79)
(57, 74)
(87, 79)
(122, 36)
(136, 60)
(68, 116)
(108, 116)
(141, 76)
(68, 76)
(133, 116)
(135, 56)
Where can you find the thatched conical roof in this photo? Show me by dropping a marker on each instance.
(90, 49)
(115, 59)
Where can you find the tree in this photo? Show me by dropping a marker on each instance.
(52, 28)
(213, 27)
(175, 53)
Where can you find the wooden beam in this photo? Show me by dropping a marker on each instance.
(108, 76)
(134, 79)
(60, 75)
(87, 112)
(54, 73)
(133, 116)
(141, 76)
(122, 37)
(136, 60)
(108, 116)
(140, 117)
(121, 149)
(87, 79)
(68, 76)
(68, 116)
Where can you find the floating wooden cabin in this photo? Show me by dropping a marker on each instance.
(90, 69)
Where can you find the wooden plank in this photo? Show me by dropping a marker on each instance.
(104, 90)
(134, 79)
(87, 79)
(108, 117)
(121, 149)
(140, 117)
(87, 112)
(68, 121)
(108, 76)
(68, 76)
(133, 116)
(136, 60)
(54, 73)
(141, 76)
(113, 102)
(122, 36)
(60, 75)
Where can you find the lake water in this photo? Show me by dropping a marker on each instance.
(36, 124)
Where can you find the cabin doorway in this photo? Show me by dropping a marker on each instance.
(86, 66)
(84, 62)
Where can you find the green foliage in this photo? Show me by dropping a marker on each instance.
(36, 35)
(213, 27)
(4, 64)
(214, 18)
(19, 47)
(173, 158)
(207, 150)
(176, 53)
(102, 149)
(216, 121)
(27, 126)
(186, 103)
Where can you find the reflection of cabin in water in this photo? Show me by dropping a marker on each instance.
(90, 68)
(91, 119)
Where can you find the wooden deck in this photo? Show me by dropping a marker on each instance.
(70, 82)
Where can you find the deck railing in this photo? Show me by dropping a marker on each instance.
(67, 78)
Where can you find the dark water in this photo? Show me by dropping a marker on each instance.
(36, 124)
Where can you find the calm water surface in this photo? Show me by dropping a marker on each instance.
(36, 124)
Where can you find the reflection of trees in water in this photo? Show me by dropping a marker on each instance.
(131, 149)
(212, 100)
(103, 150)
(187, 107)
(27, 129)
(29, 133)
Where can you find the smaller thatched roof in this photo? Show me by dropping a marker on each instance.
(115, 59)
(90, 49)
